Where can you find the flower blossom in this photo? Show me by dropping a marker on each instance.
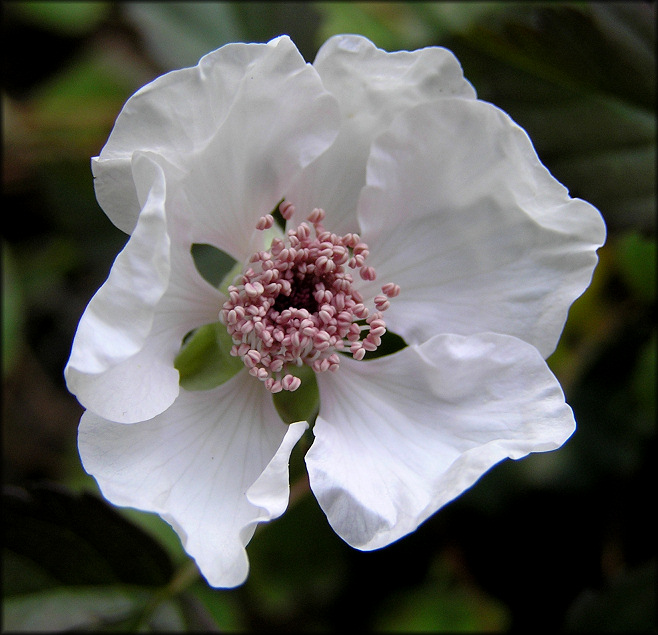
(365, 194)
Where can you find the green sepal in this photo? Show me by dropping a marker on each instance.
(302, 404)
(204, 360)
(230, 277)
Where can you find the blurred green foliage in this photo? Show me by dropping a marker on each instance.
(558, 541)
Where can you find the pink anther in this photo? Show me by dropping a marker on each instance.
(316, 216)
(296, 303)
(291, 383)
(381, 302)
(391, 289)
(368, 273)
(265, 222)
(287, 209)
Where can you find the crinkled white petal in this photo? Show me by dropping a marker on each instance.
(120, 314)
(172, 116)
(241, 124)
(372, 86)
(280, 119)
(480, 237)
(266, 492)
(400, 436)
(193, 465)
(121, 363)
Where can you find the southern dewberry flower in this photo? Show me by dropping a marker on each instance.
(366, 194)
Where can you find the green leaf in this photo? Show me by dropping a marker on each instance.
(299, 567)
(303, 403)
(262, 21)
(636, 257)
(105, 608)
(224, 607)
(444, 603)
(358, 17)
(12, 310)
(205, 361)
(214, 265)
(72, 113)
(45, 265)
(393, 25)
(95, 608)
(69, 18)
(178, 34)
(72, 562)
(53, 536)
(643, 387)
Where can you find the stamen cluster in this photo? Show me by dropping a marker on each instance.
(296, 304)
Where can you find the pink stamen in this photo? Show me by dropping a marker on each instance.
(316, 216)
(391, 289)
(265, 222)
(287, 209)
(368, 273)
(290, 382)
(381, 302)
(295, 304)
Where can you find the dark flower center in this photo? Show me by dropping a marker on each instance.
(296, 303)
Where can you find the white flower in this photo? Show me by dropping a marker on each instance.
(412, 207)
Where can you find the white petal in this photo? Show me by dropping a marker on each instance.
(120, 315)
(268, 490)
(193, 465)
(281, 118)
(171, 116)
(480, 237)
(398, 437)
(241, 123)
(121, 363)
(372, 86)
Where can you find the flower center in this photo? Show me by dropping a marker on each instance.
(295, 304)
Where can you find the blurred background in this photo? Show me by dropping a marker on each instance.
(563, 541)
